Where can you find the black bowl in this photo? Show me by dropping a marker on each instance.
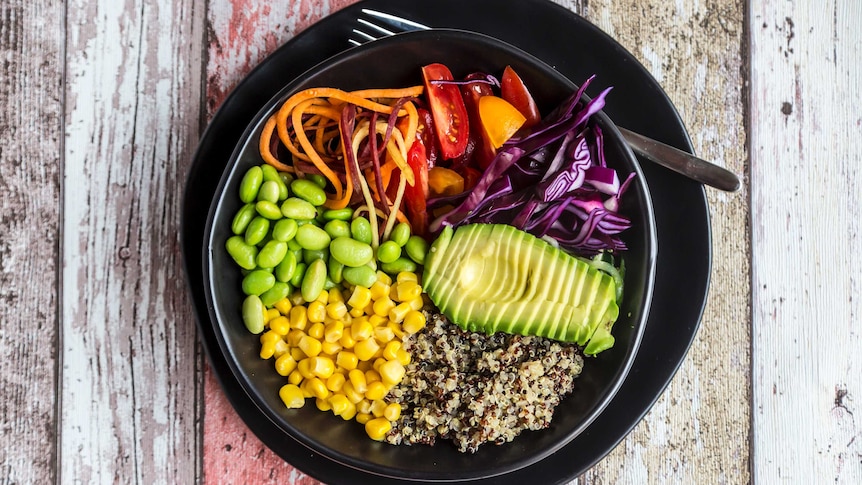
(393, 62)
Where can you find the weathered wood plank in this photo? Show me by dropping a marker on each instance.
(699, 429)
(31, 140)
(130, 369)
(806, 122)
(241, 34)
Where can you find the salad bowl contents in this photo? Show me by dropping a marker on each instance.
(429, 253)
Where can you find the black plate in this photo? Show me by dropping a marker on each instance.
(577, 49)
(372, 66)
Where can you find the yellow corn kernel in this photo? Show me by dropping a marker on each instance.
(304, 368)
(285, 364)
(335, 382)
(408, 290)
(406, 276)
(356, 311)
(316, 330)
(267, 350)
(377, 428)
(336, 310)
(293, 336)
(391, 372)
(298, 317)
(403, 357)
(363, 418)
(322, 367)
(316, 311)
(351, 393)
(414, 321)
(295, 377)
(398, 313)
(372, 375)
(317, 388)
(390, 352)
(323, 297)
(347, 341)
(283, 306)
(297, 353)
(361, 329)
(378, 361)
(396, 329)
(383, 334)
(384, 278)
(369, 308)
(349, 413)
(363, 406)
(377, 320)
(269, 337)
(296, 298)
(304, 388)
(339, 403)
(346, 360)
(379, 290)
(365, 349)
(335, 295)
(331, 348)
(281, 348)
(376, 390)
(334, 331)
(291, 395)
(309, 345)
(392, 411)
(364, 365)
(360, 297)
(280, 325)
(383, 306)
(393, 293)
(377, 407)
(357, 380)
(270, 314)
(323, 404)
(416, 304)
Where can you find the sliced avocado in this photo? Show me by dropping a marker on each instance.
(493, 277)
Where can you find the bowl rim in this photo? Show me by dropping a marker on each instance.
(246, 383)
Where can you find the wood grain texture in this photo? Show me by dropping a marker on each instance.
(131, 380)
(698, 431)
(806, 138)
(31, 47)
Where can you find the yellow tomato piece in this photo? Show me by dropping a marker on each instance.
(499, 119)
(443, 181)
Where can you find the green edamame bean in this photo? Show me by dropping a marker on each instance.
(294, 246)
(256, 231)
(268, 191)
(399, 265)
(337, 228)
(400, 234)
(244, 254)
(250, 184)
(270, 174)
(284, 270)
(242, 218)
(308, 191)
(388, 252)
(257, 281)
(309, 255)
(268, 209)
(310, 236)
(417, 249)
(252, 314)
(328, 284)
(314, 280)
(271, 254)
(360, 229)
(295, 208)
(350, 252)
(278, 291)
(284, 230)
(338, 214)
(298, 274)
(286, 178)
(318, 179)
(336, 270)
(360, 276)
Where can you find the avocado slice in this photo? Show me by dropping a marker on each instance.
(496, 278)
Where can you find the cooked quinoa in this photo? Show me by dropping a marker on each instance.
(474, 388)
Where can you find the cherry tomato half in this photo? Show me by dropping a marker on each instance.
(513, 90)
(479, 150)
(448, 111)
(415, 195)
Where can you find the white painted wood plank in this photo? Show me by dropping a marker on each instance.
(806, 159)
(130, 380)
(31, 115)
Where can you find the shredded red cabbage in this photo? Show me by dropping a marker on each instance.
(553, 182)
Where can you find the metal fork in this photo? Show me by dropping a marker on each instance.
(707, 173)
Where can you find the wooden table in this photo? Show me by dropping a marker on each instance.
(103, 377)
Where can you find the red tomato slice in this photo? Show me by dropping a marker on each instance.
(448, 111)
(513, 90)
(479, 148)
(416, 195)
(471, 177)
